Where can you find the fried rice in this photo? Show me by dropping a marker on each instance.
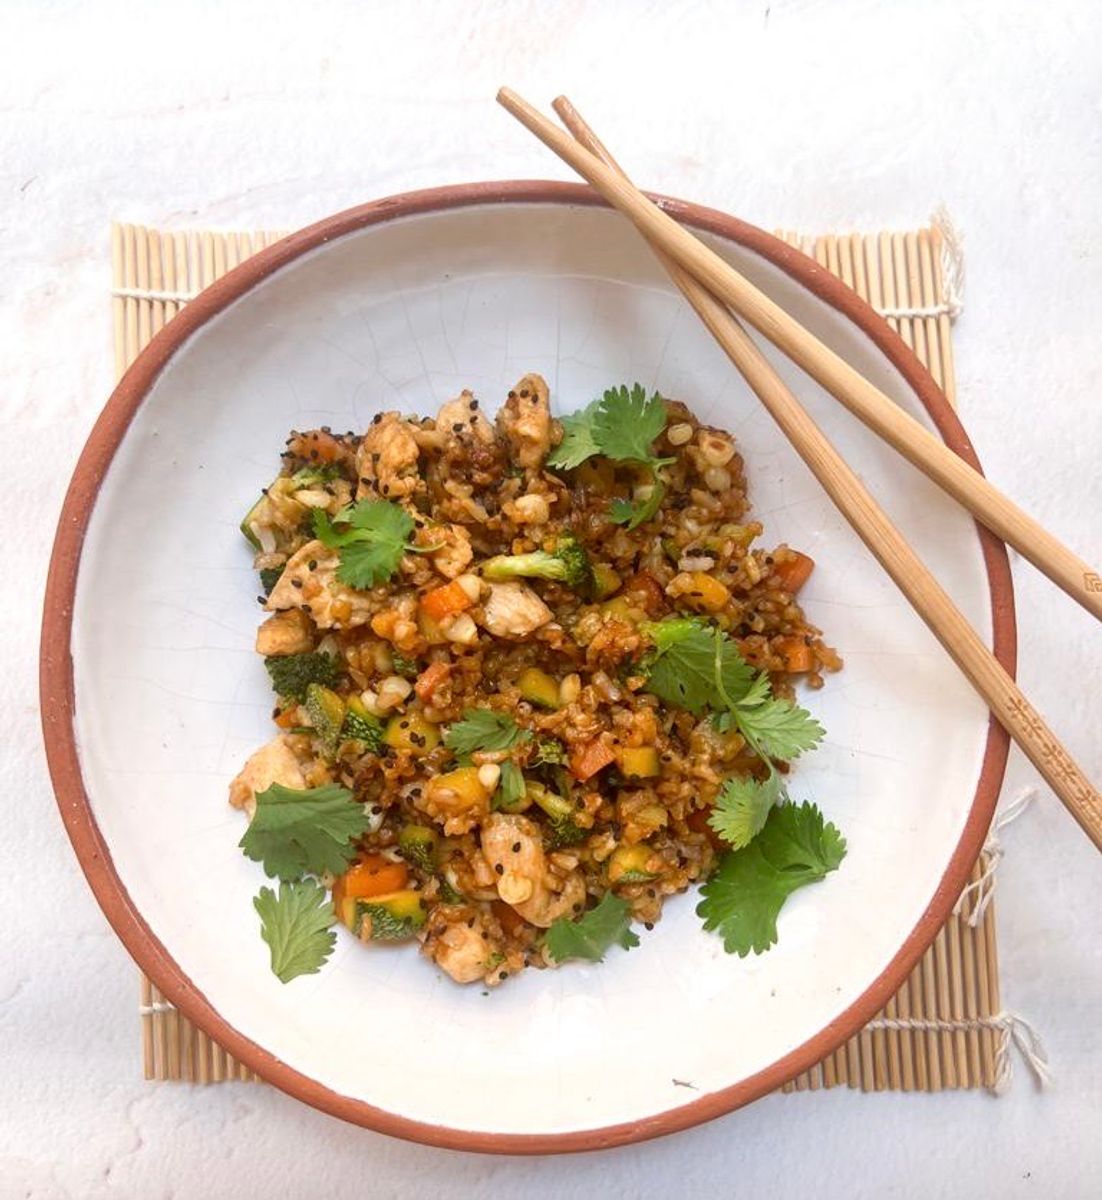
(631, 779)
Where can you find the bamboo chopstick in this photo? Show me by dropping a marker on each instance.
(872, 525)
(861, 397)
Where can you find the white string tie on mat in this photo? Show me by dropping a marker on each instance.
(158, 1006)
(134, 293)
(1011, 1029)
(983, 888)
(952, 275)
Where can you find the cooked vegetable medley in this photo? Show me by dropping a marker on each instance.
(532, 676)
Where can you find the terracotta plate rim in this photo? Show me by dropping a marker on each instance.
(58, 700)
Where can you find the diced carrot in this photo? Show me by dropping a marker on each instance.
(591, 758)
(511, 921)
(795, 653)
(794, 573)
(287, 717)
(317, 446)
(644, 591)
(430, 679)
(373, 875)
(444, 601)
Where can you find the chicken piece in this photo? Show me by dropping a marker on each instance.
(461, 418)
(455, 555)
(286, 632)
(524, 420)
(386, 462)
(272, 763)
(309, 582)
(513, 610)
(461, 942)
(512, 845)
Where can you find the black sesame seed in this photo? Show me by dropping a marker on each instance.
(312, 565)
(470, 923)
(648, 924)
(503, 974)
(376, 809)
(474, 404)
(376, 418)
(516, 845)
(457, 427)
(296, 583)
(578, 907)
(499, 869)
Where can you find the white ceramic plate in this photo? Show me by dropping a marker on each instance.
(400, 307)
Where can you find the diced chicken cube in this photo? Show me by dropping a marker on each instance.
(462, 418)
(286, 632)
(513, 846)
(386, 462)
(513, 610)
(272, 763)
(524, 420)
(309, 582)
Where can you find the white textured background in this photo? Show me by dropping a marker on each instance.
(844, 115)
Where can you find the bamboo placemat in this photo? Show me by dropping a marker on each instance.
(945, 1028)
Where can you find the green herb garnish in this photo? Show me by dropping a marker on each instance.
(295, 924)
(742, 899)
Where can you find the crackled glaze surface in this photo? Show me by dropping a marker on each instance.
(170, 696)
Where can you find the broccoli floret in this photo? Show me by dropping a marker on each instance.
(311, 476)
(567, 562)
(269, 577)
(561, 829)
(562, 833)
(549, 752)
(292, 674)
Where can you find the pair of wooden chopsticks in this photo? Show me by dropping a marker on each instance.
(711, 285)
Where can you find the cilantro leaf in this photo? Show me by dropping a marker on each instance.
(373, 545)
(777, 727)
(745, 895)
(511, 786)
(591, 935)
(295, 924)
(695, 666)
(624, 424)
(578, 442)
(622, 512)
(743, 806)
(304, 832)
(484, 729)
(621, 425)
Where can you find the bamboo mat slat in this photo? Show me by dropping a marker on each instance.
(945, 1028)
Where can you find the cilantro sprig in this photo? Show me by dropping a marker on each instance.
(374, 536)
(298, 832)
(743, 898)
(698, 667)
(484, 729)
(592, 935)
(622, 425)
(296, 925)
